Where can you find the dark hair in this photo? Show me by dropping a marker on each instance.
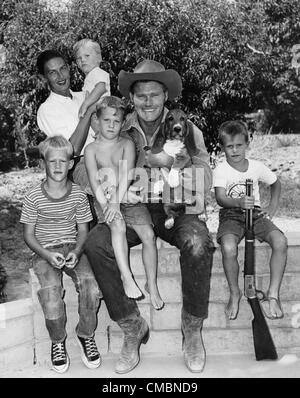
(46, 56)
(232, 128)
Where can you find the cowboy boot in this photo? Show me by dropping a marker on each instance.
(193, 348)
(136, 331)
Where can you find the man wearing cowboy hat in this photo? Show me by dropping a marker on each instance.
(148, 87)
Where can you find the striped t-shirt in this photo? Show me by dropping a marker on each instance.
(55, 220)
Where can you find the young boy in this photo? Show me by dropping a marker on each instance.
(55, 215)
(229, 183)
(109, 161)
(96, 83)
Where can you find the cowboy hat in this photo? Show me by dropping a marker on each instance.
(149, 70)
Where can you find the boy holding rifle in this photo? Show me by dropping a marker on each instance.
(229, 184)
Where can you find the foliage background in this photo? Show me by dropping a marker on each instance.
(234, 56)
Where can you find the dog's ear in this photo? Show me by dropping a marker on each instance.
(160, 140)
(189, 141)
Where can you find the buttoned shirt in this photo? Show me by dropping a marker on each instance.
(58, 115)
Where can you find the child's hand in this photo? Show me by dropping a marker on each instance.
(71, 260)
(246, 202)
(56, 259)
(82, 110)
(111, 211)
(268, 212)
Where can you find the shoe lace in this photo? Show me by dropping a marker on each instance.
(59, 352)
(91, 348)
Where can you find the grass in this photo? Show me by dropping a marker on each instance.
(289, 205)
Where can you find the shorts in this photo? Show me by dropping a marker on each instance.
(137, 214)
(232, 221)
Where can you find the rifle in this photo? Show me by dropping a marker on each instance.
(262, 339)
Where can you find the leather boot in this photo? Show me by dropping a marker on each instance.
(136, 331)
(192, 344)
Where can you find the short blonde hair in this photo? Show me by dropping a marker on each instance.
(56, 142)
(110, 101)
(84, 42)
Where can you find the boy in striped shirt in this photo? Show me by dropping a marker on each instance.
(55, 215)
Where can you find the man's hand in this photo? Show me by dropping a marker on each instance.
(112, 211)
(181, 159)
(71, 260)
(161, 159)
(132, 196)
(56, 259)
(246, 202)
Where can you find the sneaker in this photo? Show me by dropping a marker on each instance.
(89, 352)
(59, 357)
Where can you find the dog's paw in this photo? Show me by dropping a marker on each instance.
(169, 223)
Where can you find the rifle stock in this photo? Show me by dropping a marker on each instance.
(263, 344)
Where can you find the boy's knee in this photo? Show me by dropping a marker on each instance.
(118, 226)
(51, 300)
(229, 249)
(148, 236)
(279, 242)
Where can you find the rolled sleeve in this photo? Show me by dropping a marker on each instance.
(201, 160)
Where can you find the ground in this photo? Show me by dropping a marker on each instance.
(280, 153)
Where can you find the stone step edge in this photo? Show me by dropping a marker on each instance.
(292, 237)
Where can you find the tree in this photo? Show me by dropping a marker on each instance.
(234, 57)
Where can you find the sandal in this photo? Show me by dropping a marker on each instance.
(265, 306)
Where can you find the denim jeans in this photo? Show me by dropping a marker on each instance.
(51, 294)
(189, 234)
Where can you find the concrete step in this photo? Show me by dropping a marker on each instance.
(220, 334)
(168, 259)
(216, 341)
(164, 366)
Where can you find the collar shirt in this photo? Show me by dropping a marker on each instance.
(133, 129)
(58, 115)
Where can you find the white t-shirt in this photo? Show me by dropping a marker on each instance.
(58, 115)
(234, 181)
(96, 75)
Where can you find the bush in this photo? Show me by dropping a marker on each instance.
(212, 44)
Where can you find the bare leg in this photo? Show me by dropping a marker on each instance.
(120, 246)
(149, 253)
(229, 247)
(278, 243)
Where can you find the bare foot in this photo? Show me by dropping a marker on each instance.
(232, 308)
(155, 298)
(131, 288)
(157, 301)
(272, 307)
(275, 308)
